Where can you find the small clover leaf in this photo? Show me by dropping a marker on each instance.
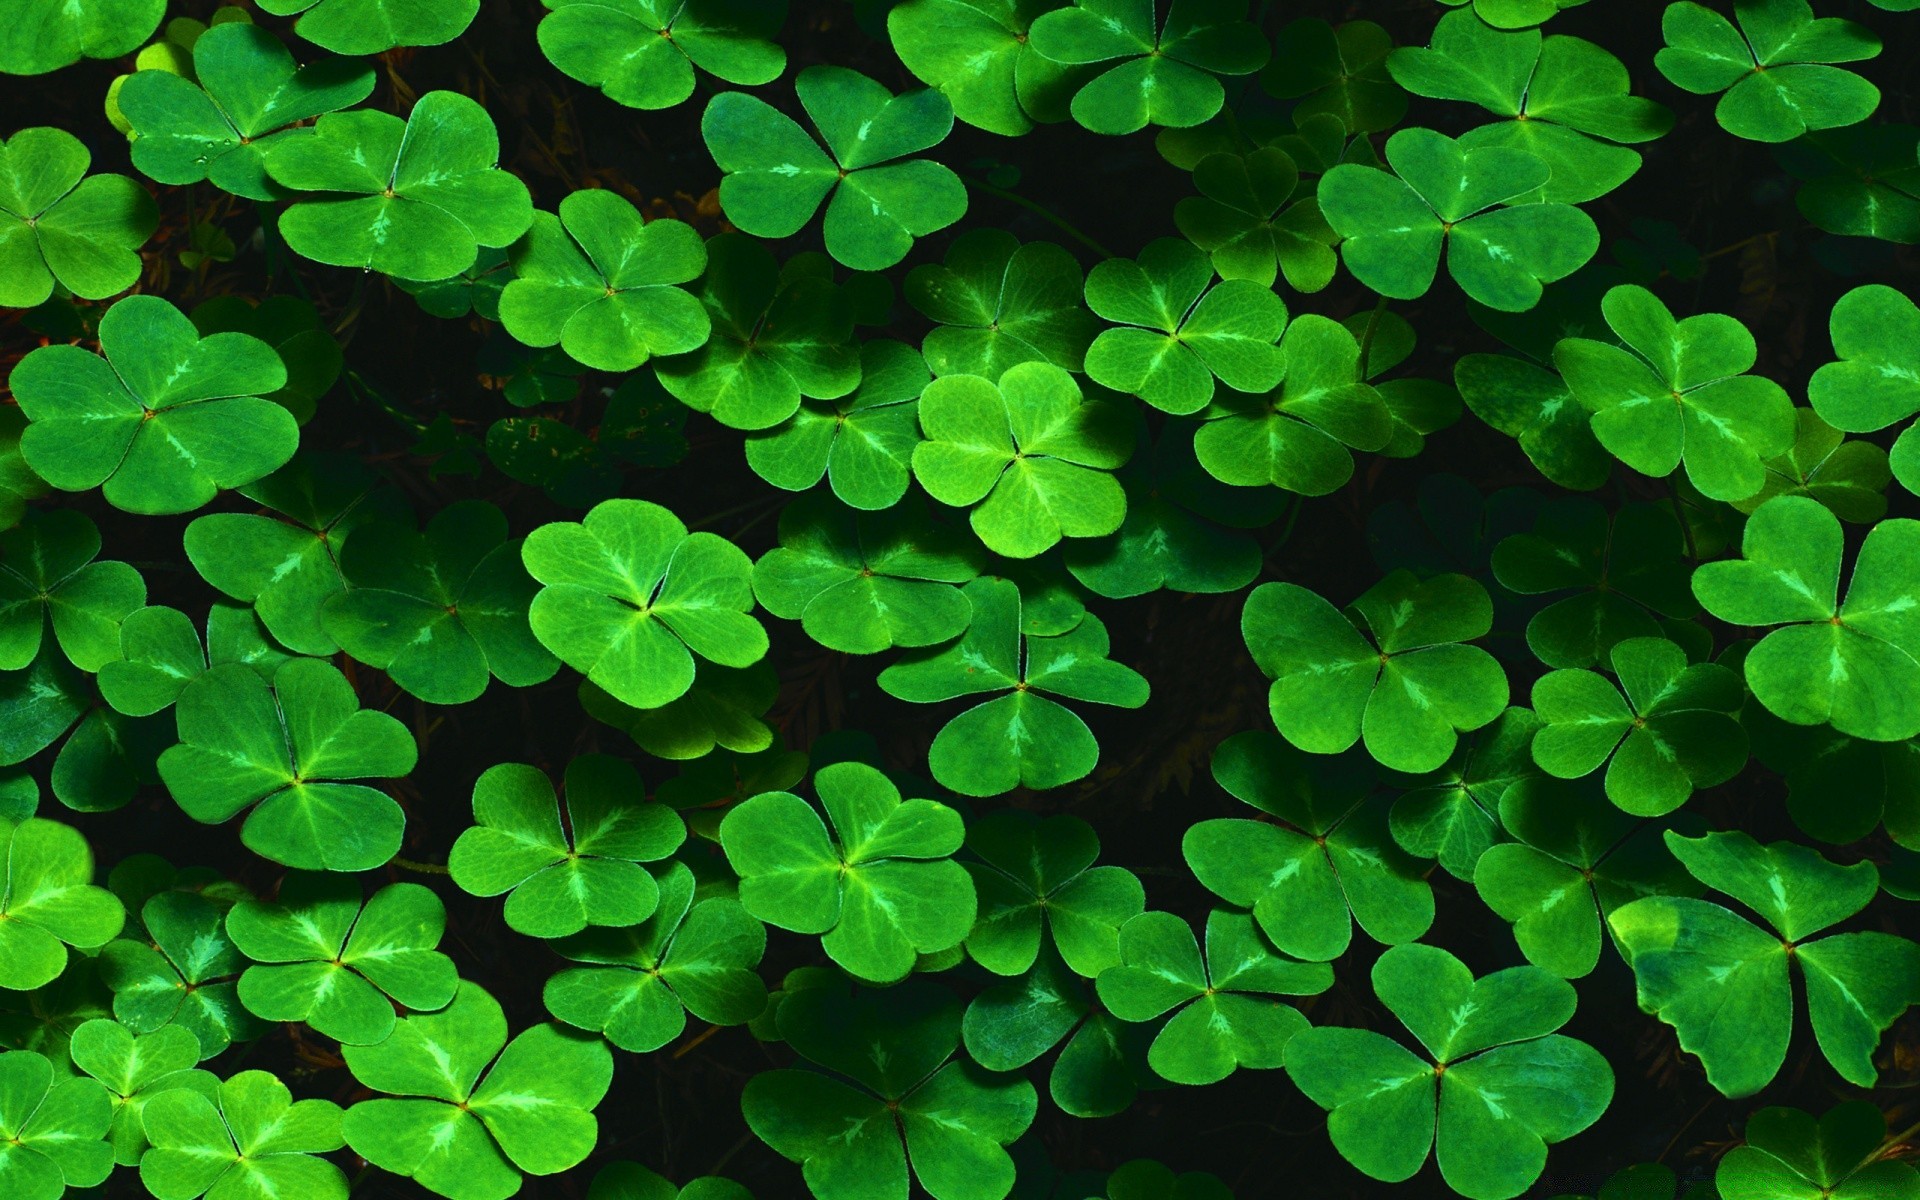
(1496, 1087)
(568, 864)
(979, 54)
(1876, 382)
(183, 974)
(1226, 1018)
(54, 1129)
(1534, 406)
(1338, 72)
(18, 483)
(725, 707)
(997, 303)
(1102, 1062)
(46, 35)
(283, 751)
(631, 1181)
(49, 576)
(1453, 814)
(642, 53)
(249, 1141)
(376, 26)
(631, 598)
(1257, 220)
(164, 421)
(1168, 54)
(1145, 1179)
(49, 902)
(861, 443)
(1038, 874)
(1516, 14)
(1790, 1156)
(134, 1068)
(292, 327)
(774, 176)
(57, 224)
(1443, 194)
(475, 290)
(1861, 181)
(325, 958)
(881, 887)
(1850, 478)
(1840, 788)
(1775, 68)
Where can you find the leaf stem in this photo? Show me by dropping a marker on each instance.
(1045, 214)
(420, 868)
(1366, 338)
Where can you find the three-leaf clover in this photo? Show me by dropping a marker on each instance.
(997, 303)
(1453, 814)
(182, 973)
(1256, 220)
(376, 26)
(631, 1181)
(48, 576)
(1167, 56)
(251, 1138)
(1494, 1089)
(861, 443)
(881, 887)
(59, 224)
(1337, 73)
(1790, 1156)
(49, 902)
(1102, 1062)
(1876, 381)
(134, 1068)
(1533, 406)
(642, 53)
(54, 1129)
(1849, 477)
(1774, 68)
(1037, 885)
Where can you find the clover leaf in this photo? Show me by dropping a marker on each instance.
(283, 751)
(1849, 477)
(292, 327)
(911, 1100)
(1167, 55)
(998, 303)
(1102, 1062)
(1840, 788)
(862, 443)
(597, 281)
(725, 708)
(49, 903)
(1257, 220)
(243, 95)
(631, 1181)
(1851, 663)
(1860, 181)
(413, 199)
(474, 290)
(1453, 814)
(1495, 1088)
(774, 176)
(54, 1129)
(1516, 14)
(1030, 456)
(1225, 1018)
(1442, 195)
(165, 420)
(49, 34)
(980, 55)
(443, 610)
(376, 26)
(1176, 333)
(1790, 1156)
(325, 958)
(631, 597)
(1038, 874)
(134, 1068)
(1021, 738)
(1698, 963)
(1338, 72)
(1146, 1179)
(644, 979)
(1775, 68)
(1326, 862)
(1410, 698)
(18, 483)
(183, 972)
(58, 224)
(249, 1139)
(881, 886)
(48, 576)
(642, 53)
(1873, 385)
(1535, 407)
(476, 1110)
(565, 865)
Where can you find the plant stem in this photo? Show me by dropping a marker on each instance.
(1045, 214)
(420, 868)
(1366, 337)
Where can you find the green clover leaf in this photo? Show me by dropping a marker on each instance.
(1496, 1087)
(325, 958)
(998, 303)
(1102, 1062)
(1453, 814)
(1516, 14)
(1037, 874)
(1876, 382)
(642, 53)
(58, 224)
(1167, 55)
(249, 1141)
(1790, 1156)
(725, 708)
(881, 886)
(980, 55)
(183, 973)
(1443, 194)
(474, 290)
(774, 176)
(292, 327)
(1257, 220)
(164, 421)
(1723, 983)
(376, 26)
(1338, 72)
(18, 483)
(1775, 68)
(54, 1129)
(48, 577)
(1840, 788)
(1534, 406)
(862, 443)
(134, 1068)
(1850, 478)
(1861, 180)
(631, 1181)
(1145, 1179)
(49, 902)
(565, 865)
(282, 751)
(46, 35)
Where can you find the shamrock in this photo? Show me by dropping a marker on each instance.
(242, 96)
(1790, 1156)
(49, 902)
(631, 1181)
(563, 879)
(1534, 406)
(1411, 698)
(1299, 435)
(1256, 219)
(1496, 1087)
(1030, 456)
(134, 1068)
(54, 1129)
(1861, 180)
(881, 887)
(1037, 874)
(48, 576)
(414, 199)
(57, 224)
(642, 53)
(467, 1129)
(631, 597)
(1773, 68)
(1022, 737)
(1442, 193)
(250, 1138)
(1453, 814)
(1574, 859)
(1329, 862)
(862, 443)
(182, 973)
(474, 290)
(1176, 334)
(1220, 1025)
(281, 750)
(1565, 99)
(645, 978)
(910, 1099)
(1336, 72)
(1850, 478)
(598, 281)
(775, 339)
(164, 421)
(49, 34)
(1876, 382)
(376, 26)
(292, 327)
(978, 53)
(774, 176)
(1847, 663)
(328, 960)
(861, 583)
(997, 303)
(1169, 58)
(1677, 393)
(442, 610)
(1696, 961)
(1102, 1062)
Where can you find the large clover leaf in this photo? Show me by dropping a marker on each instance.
(413, 199)
(1790, 1156)
(45, 35)
(1851, 663)
(1496, 1087)
(48, 577)
(1723, 982)
(376, 26)
(49, 902)
(57, 224)
(1774, 68)
(1167, 55)
(478, 1110)
(862, 443)
(249, 1139)
(998, 303)
(1442, 194)
(1038, 874)
(642, 53)
(1257, 220)
(283, 750)
(54, 1129)
(164, 421)
(631, 597)
(1876, 382)
(774, 176)
(881, 888)
(978, 53)
(183, 973)
(134, 1068)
